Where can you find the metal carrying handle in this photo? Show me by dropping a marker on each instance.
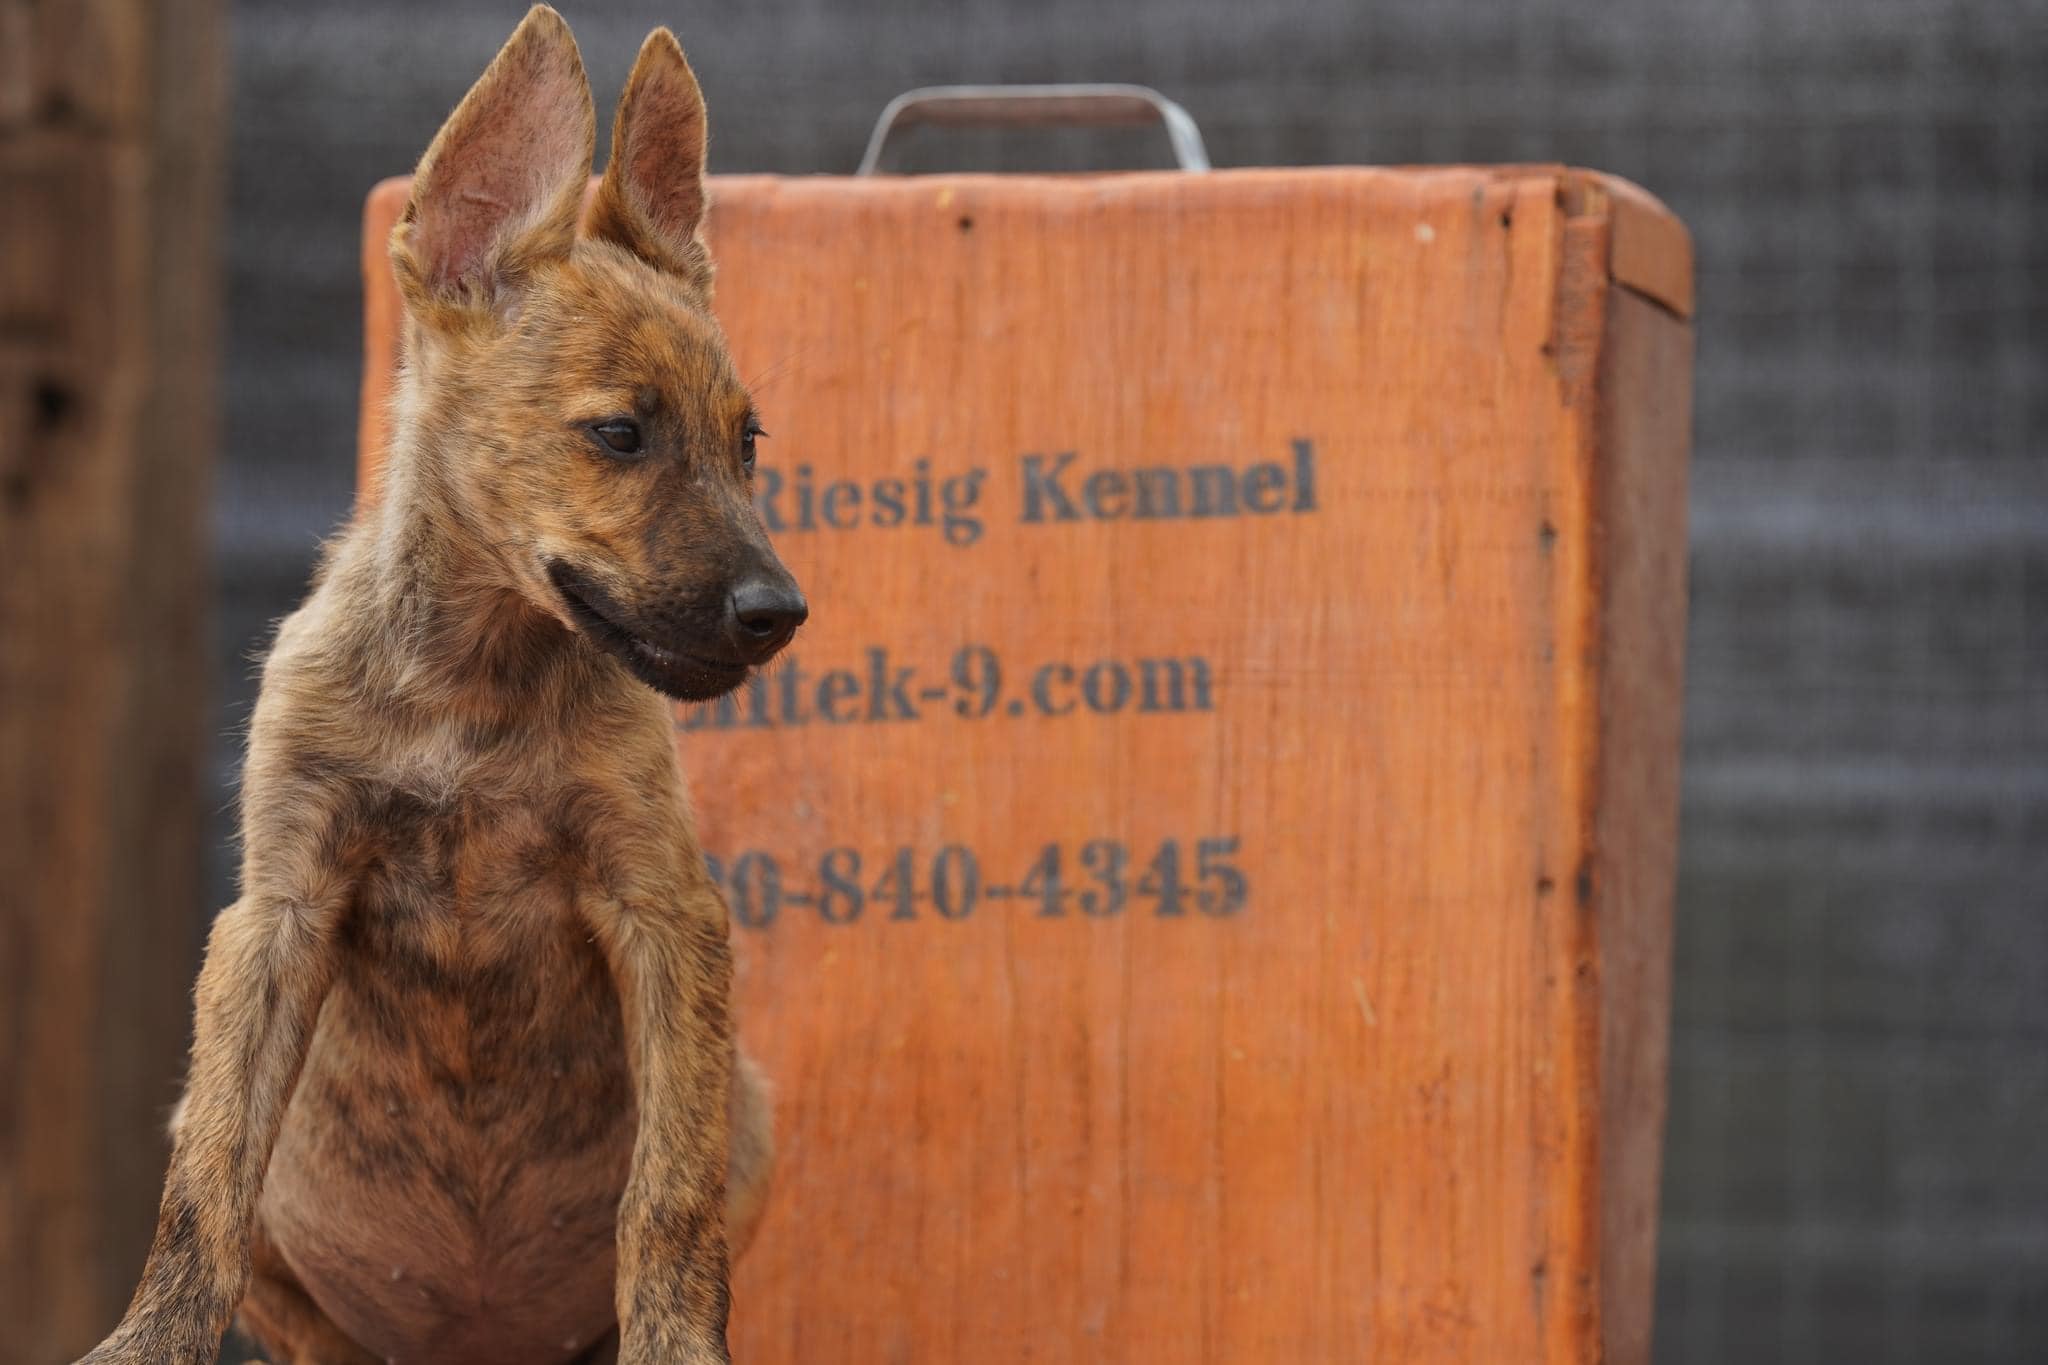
(1038, 106)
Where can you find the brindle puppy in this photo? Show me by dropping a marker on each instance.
(464, 1086)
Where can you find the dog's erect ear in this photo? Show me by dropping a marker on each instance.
(651, 201)
(501, 187)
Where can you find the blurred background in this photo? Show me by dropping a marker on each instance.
(1859, 1065)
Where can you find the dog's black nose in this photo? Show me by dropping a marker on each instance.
(765, 611)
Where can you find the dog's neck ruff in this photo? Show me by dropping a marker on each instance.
(452, 629)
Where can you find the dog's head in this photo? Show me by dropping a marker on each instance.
(573, 394)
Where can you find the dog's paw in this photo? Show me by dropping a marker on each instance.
(111, 1352)
(132, 1346)
(654, 1348)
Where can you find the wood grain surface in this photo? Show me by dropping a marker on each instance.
(1242, 933)
(111, 135)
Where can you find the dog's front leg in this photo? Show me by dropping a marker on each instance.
(673, 967)
(268, 962)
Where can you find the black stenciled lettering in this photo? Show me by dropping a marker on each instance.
(1042, 490)
(1106, 687)
(959, 495)
(1042, 685)
(956, 882)
(979, 678)
(972, 686)
(791, 686)
(1162, 880)
(897, 885)
(1166, 492)
(756, 890)
(888, 692)
(806, 512)
(767, 499)
(1104, 493)
(1053, 490)
(1164, 684)
(1265, 488)
(1215, 490)
(838, 686)
(795, 501)
(1304, 475)
(1224, 887)
(847, 493)
(952, 883)
(887, 501)
(922, 482)
(1158, 493)
(1042, 883)
(840, 898)
(1105, 858)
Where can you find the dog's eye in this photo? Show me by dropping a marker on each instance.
(621, 435)
(748, 435)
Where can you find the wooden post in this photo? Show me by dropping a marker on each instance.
(110, 131)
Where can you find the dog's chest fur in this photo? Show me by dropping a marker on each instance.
(450, 1166)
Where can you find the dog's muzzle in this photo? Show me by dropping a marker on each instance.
(690, 660)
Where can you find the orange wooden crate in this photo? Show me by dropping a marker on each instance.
(1203, 876)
